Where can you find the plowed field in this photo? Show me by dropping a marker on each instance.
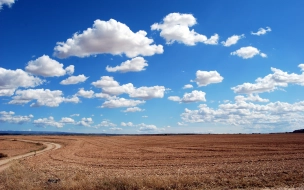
(11, 147)
(166, 162)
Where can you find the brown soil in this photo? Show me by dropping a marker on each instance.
(164, 162)
(11, 147)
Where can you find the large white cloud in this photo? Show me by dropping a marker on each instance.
(247, 114)
(175, 28)
(47, 67)
(270, 82)
(232, 40)
(10, 80)
(9, 3)
(112, 87)
(194, 96)
(248, 52)
(204, 78)
(261, 31)
(10, 117)
(74, 80)
(121, 102)
(42, 97)
(134, 65)
(108, 37)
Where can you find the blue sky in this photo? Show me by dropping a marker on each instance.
(151, 66)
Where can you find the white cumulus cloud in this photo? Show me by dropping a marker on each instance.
(67, 120)
(47, 67)
(175, 28)
(261, 31)
(263, 55)
(42, 97)
(105, 81)
(133, 109)
(85, 122)
(188, 86)
(10, 117)
(127, 124)
(74, 80)
(301, 66)
(194, 96)
(121, 102)
(112, 87)
(232, 40)
(8, 3)
(204, 78)
(85, 93)
(74, 99)
(108, 37)
(10, 80)
(70, 69)
(43, 122)
(103, 95)
(148, 92)
(134, 65)
(270, 82)
(248, 52)
(251, 98)
(174, 98)
(148, 128)
(248, 114)
(105, 123)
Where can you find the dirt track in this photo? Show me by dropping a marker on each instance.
(5, 163)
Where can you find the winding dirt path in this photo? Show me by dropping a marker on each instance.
(49, 146)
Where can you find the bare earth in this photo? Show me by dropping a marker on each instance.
(40, 148)
(273, 161)
(12, 147)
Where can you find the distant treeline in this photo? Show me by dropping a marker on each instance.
(299, 131)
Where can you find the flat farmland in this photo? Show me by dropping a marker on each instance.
(255, 161)
(12, 147)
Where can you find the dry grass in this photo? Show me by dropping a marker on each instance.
(159, 162)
